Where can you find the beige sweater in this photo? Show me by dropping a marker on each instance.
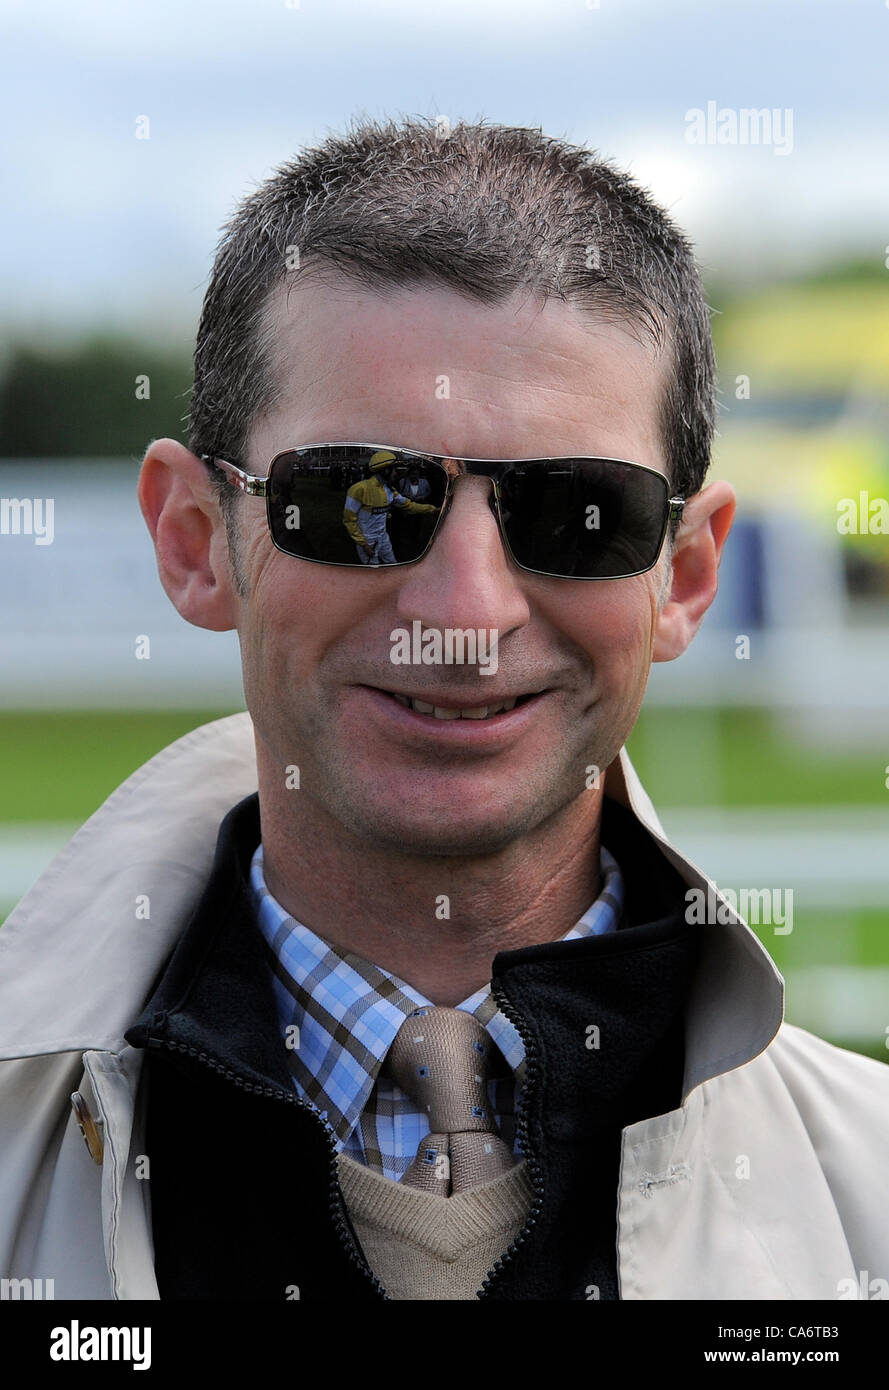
(421, 1246)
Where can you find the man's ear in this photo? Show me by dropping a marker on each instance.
(185, 520)
(696, 554)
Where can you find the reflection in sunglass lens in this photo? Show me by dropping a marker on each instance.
(584, 518)
(354, 505)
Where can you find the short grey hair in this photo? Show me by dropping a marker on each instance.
(485, 210)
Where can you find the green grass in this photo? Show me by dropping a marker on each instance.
(822, 937)
(60, 766)
(857, 937)
(742, 757)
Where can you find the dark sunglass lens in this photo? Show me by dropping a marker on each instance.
(584, 518)
(354, 505)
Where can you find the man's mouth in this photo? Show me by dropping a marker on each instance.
(462, 711)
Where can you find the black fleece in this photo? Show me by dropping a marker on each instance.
(245, 1200)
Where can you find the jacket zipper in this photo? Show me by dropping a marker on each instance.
(346, 1235)
(534, 1168)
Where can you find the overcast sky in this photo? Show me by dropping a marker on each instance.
(100, 227)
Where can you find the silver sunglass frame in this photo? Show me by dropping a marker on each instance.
(257, 485)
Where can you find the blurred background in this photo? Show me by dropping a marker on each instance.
(133, 129)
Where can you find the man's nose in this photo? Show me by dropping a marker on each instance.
(467, 580)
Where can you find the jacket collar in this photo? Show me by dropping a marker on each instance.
(93, 935)
(737, 1002)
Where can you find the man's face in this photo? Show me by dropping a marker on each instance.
(425, 369)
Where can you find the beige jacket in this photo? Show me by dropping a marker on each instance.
(769, 1181)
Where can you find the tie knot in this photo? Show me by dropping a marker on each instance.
(443, 1059)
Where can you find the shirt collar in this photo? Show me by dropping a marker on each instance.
(343, 1011)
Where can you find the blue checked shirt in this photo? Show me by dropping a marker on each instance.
(339, 1015)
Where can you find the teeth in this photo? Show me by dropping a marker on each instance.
(442, 712)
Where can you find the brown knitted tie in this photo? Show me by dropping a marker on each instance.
(443, 1058)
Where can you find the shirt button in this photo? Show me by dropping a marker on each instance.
(89, 1127)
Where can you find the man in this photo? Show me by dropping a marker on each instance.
(366, 512)
(413, 486)
(433, 1020)
(403, 527)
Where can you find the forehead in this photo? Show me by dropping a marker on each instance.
(424, 367)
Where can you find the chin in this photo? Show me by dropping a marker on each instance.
(448, 841)
(449, 827)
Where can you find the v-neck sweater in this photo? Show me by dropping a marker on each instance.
(422, 1246)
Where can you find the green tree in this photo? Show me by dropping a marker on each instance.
(83, 401)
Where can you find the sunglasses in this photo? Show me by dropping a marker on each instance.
(367, 505)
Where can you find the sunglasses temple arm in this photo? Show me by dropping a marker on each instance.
(250, 483)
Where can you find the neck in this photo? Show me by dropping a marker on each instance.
(436, 923)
